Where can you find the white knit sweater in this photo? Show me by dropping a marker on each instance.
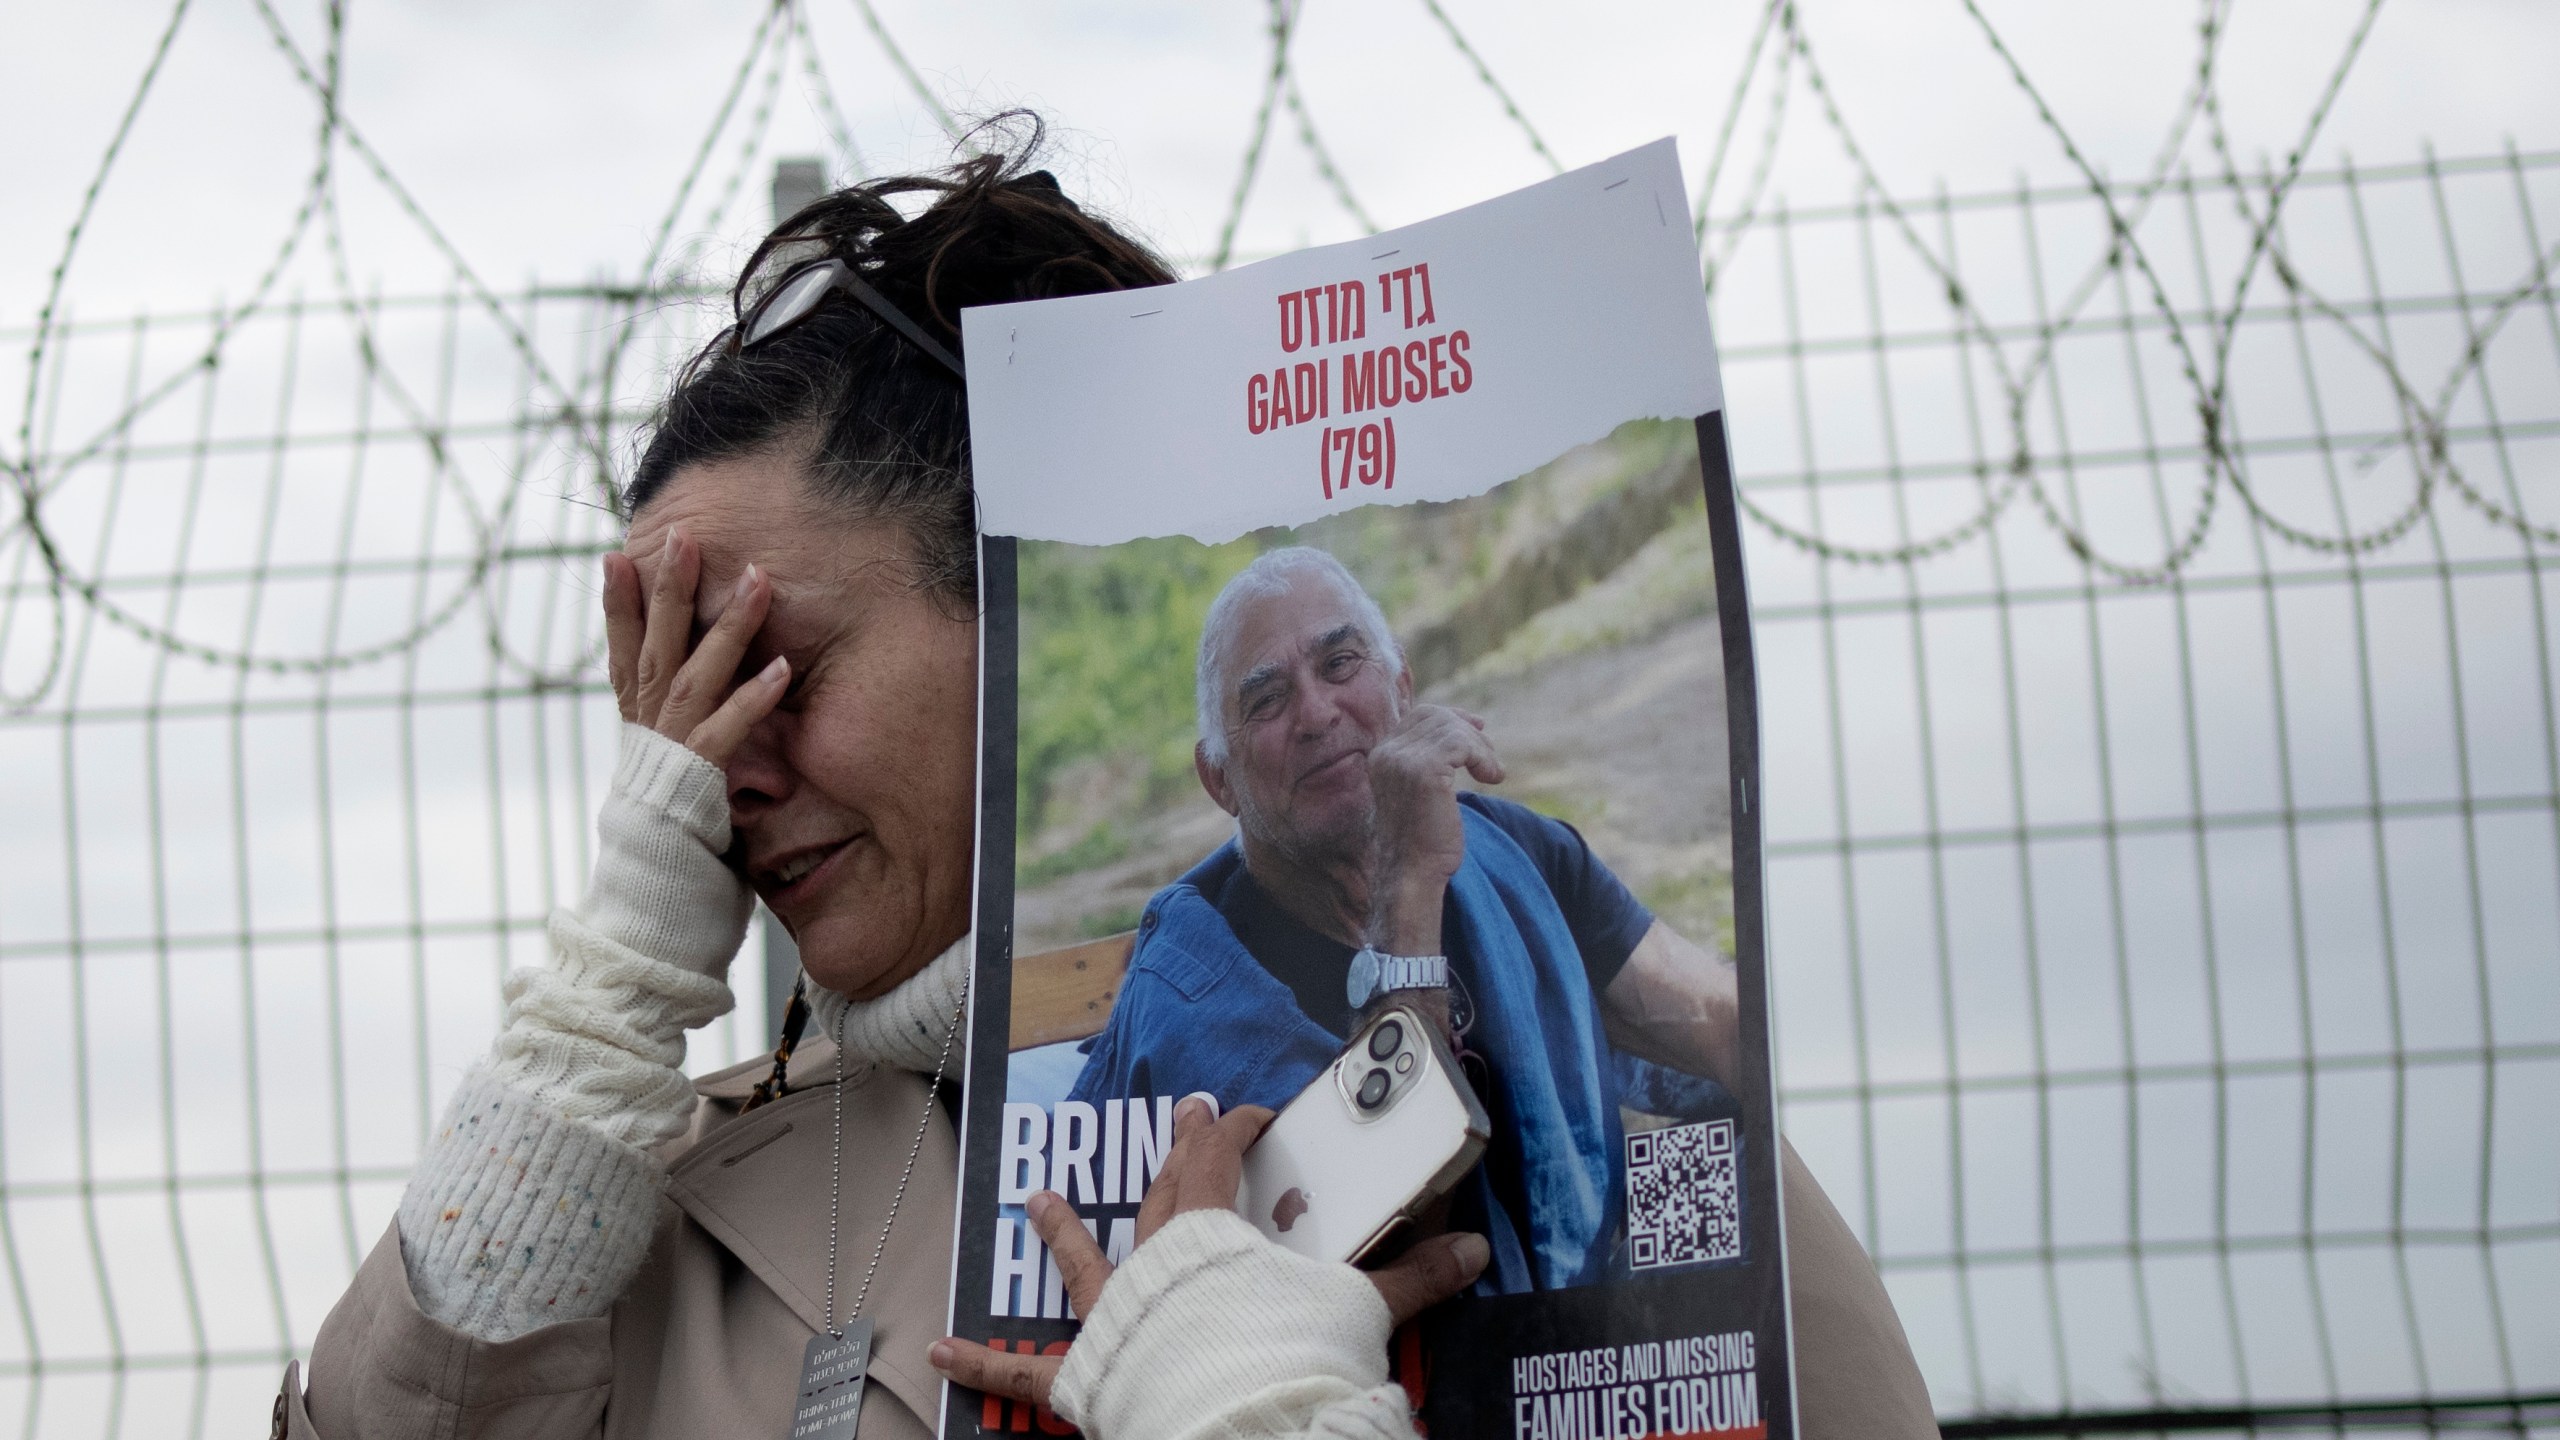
(535, 1202)
(1209, 1330)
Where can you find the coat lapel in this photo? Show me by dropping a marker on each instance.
(759, 1185)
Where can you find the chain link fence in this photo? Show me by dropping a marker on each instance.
(2165, 827)
(304, 741)
(2164, 852)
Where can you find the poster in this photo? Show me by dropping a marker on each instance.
(1376, 605)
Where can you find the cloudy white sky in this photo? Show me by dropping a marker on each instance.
(548, 139)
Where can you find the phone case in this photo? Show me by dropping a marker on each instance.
(1330, 1182)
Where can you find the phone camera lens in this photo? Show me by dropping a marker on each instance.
(1373, 1090)
(1384, 1040)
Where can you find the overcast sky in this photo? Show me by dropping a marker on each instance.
(548, 139)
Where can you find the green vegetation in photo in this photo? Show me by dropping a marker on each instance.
(1103, 843)
(1109, 638)
(1697, 903)
(1110, 635)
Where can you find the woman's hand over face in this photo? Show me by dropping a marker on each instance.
(685, 691)
(1202, 1173)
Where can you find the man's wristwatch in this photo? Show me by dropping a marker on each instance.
(1375, 973)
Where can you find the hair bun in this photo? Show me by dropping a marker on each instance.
(875, 425)
(1044, 183)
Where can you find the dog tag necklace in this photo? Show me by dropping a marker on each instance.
(837, 1361)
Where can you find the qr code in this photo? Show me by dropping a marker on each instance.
(1684, 1206)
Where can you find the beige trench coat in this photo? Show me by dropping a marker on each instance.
(708, 1341)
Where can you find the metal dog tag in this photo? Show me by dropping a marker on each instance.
(831, 1376)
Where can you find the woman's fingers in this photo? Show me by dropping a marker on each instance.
(1206, 1163)
(623, 627)
(670, 625)
(704, 681)
(718, 738)
(996, 1372)
(1430, 1272)
(1239, 1128)
(663, 680)
(1193, 1114)
(1085, 1269)
(1081, 1263)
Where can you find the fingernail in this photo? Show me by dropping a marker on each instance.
(746, 582)
(940, 1353)
(1039, 1204)
(1471, 1252)
(775, 671)
(667, 552)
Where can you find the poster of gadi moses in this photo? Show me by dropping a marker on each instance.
(1367, 724)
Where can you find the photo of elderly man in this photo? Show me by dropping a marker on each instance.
(1361, 871)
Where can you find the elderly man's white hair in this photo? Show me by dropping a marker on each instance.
(1272, 572)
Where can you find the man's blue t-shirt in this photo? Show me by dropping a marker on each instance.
(1534, 918)
(1606, 920)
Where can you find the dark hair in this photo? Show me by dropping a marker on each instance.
(883, 427)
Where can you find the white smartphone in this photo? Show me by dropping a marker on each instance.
(1388, 1128)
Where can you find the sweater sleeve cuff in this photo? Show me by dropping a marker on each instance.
(1209, 1319)
(665, 778)
(599, 1035)
(520, 1217)
(661, 886)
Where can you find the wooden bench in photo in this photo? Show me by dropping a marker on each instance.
(1066, 994)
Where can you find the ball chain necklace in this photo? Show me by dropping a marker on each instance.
(837, 1360)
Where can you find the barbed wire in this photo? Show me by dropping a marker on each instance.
(1323, 158)
(1283, 16)
(575, 407)
(1779, 57)
(323, 80)
(770, 33)
(915, 81)
(823, 92)
(2207, 376)
(1739, 226)
(1484, 74)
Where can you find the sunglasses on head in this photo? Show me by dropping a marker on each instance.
(806, 288)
